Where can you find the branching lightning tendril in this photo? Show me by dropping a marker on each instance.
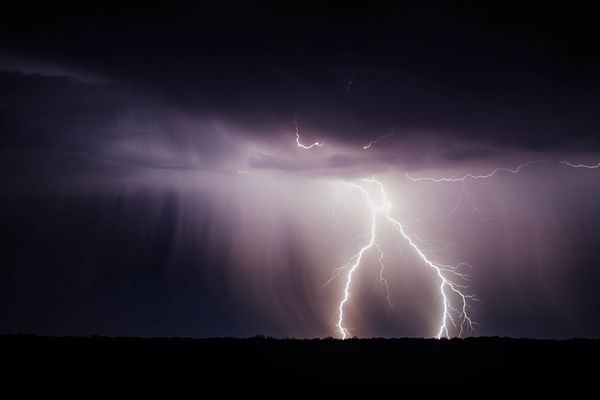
(465, 193)
(469, 176)
(455, 301)
(380, 138)
(588, 166)
(299, 143)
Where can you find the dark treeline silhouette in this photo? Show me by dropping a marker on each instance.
(312, 360)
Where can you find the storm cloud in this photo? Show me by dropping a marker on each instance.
(152, 184)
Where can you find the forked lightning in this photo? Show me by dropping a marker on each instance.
(456, 302)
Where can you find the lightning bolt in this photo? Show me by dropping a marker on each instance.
(589, 166)
(382, 279)
(380, 138)
(299, 143)
(455, 302)
(465, 192)
(468, 176)
(356, 263)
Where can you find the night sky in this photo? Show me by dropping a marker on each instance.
(152, 185)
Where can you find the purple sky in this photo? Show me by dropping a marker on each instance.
(152, 183)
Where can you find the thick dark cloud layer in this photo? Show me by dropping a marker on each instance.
(522, 77)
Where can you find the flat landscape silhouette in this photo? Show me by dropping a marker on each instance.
(310, 360)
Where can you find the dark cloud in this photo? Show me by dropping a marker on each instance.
(41, 67)
(68, 119)
(524, 78)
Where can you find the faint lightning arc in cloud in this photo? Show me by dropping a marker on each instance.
(468, 176)
(588, 166)
(300, 144)
(380, 138)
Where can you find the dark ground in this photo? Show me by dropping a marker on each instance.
(354, 361)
